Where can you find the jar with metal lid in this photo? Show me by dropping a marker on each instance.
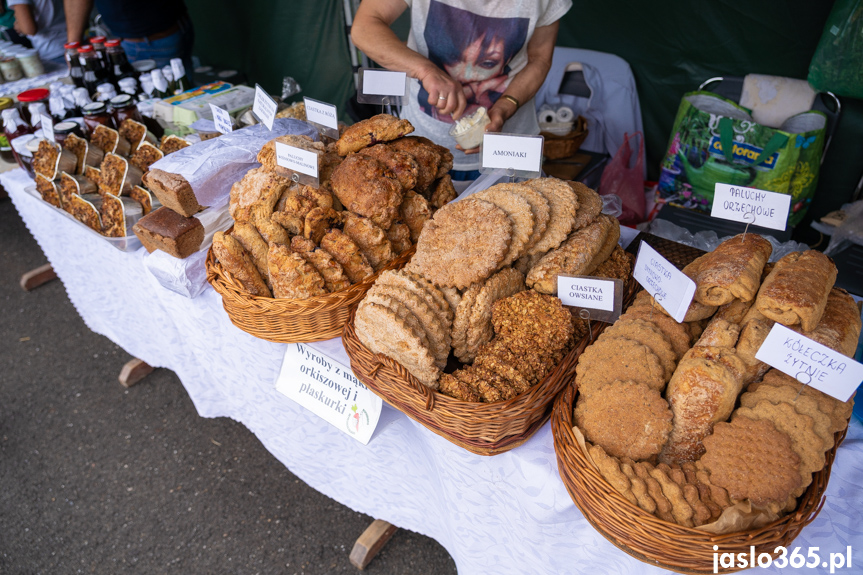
(35, 111)
(5, 148)
(94, 72)
(104, 92)
(95, 114)
(10, 67)
(14, 127)
(125, 107)
(73, 63)
(63, 129)
(30, 63)
(98, 43)
(32, 97)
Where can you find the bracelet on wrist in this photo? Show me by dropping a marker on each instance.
(511, 99)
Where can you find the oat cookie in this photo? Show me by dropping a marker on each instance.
(461, 321)
(618, 359)
(589, 205)
(563, 204)
(519, 211)
(501, 285)
(419, 287)
(609, 467)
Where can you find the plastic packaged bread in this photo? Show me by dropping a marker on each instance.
(173, 191)
(796, 290)
(732, 270)
(170, 232)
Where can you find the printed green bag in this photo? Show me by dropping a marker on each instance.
(715, 140)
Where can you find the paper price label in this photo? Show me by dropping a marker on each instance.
(222, 119)
(751, 206)
(810, 362)
(519, 153)
(330, 390)
(384, 83)
(264, 107)
(603, 299)
(297, 160)
(320, 113)
(47, 123)
(671, 288)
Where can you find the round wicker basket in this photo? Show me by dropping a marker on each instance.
(290, 320)
(481, 428)
(652, 540)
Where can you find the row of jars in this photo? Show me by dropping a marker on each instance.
(18, 62)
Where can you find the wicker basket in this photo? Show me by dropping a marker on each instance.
(556, 147)
(481, 428)
(290, 320)
(652, 540)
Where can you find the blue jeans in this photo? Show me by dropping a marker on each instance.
(177, 45)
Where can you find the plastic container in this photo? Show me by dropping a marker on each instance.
(10, 68)
(30, 63)
(468, 130)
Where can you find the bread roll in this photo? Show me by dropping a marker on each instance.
(796, 290)
(732, 270)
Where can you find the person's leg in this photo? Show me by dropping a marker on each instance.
(177, 45)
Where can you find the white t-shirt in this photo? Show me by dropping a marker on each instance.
(482, 44)
(50, 26)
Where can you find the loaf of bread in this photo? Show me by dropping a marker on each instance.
(166, 230)
(732, 270)
(174, 191)
(796, 290)
(839, 328)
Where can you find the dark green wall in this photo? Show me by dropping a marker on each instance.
(672, 47)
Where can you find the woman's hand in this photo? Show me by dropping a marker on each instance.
(445, 93)
(498, 114)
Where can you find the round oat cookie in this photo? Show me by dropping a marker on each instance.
(589, 205)
(438, 336)
(436, 294)
(677, 333)
(412, 284)
(618, 359)
(519, 211)
(452, 296)
(504, 283)
(564, 205)
(752, 460)
(626, 418)
(539, 207)
(504, 366)
(465, 242)
(801, 403)
(404, 314)
(648, 334)
(383, 331)
(461, 320)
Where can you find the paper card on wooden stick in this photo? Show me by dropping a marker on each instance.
(222, 119)
(330, 390)
(264, 107)
(751, 206)
(810, 362)
(302, 165)
(323, 116)
(602, 298)
(47, 123)
(521, 156)
(381, 87)
(670, 287)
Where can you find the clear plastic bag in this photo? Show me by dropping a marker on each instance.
(626, 182)
(849, 231)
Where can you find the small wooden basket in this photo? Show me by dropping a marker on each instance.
(291, 320)
(556, 147)
(649, 538)
(481, 428)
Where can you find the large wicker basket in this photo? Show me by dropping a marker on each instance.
(658, 542)
(290, 320)
(481, 428)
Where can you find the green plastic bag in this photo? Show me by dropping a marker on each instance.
(714, 140)
(837, 65)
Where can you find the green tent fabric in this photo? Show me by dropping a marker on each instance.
(671, 46)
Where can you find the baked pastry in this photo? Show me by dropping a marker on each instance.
(839, 328)
(50, 160)
(134, 132)
(85, 212)
(171, 143)
(442, 192)
(118, 177)
(254, 244)
(415, 212)
(367, 187)
(48, 189)
(326, 265)
(371, 240)
(348, 254)
(85, 154)
(433, 161)
(563, 205)
(110, 141)
(113, 216)
(173, 191)
(404, 166)
(318, 221)
(72, 184)
(145, 156)
(365, 133)
(399, 236)
(520, 214)
(732, 270)
(291, 275)
(796, 290)
(166, 230)
(238, 263)
(589, 205)
(143, 197)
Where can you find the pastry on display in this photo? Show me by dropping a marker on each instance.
(239, 264)
(366, 133)
(49, 190)
(85, 154)
(50, 160)
(166, 230)
(739, 431)
(110, 141)
(171, 143)
(145, 156)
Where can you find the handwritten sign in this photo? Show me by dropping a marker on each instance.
(602, 298)
(297, 160)
(47, 127)
(671, 288)
(222, 119)
(751, 206)
(330, 390)
(264, 107)
(519, 153)
(384, 83)
(810, 362)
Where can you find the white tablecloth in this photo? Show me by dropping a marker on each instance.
(504, 514)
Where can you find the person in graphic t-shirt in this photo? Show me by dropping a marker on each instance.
(465, 54)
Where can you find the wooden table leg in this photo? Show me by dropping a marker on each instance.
(370, 542)
(134, 371)
(34, 278)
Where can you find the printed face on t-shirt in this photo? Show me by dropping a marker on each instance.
(475, 50)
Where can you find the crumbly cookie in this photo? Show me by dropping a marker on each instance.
(383, 331)
(663, 506)
(415, 212)
(348, 254)
(680, 509)
(399, 236)
(461, 321)
(372, 240)
(454, 387)
(801, 403)
(453, 297)
(589, 205)
(503, 284)
(463, 243)
(647, 334)
(504, 365)
(519, 211)
(563, 204)
(678, 334)
(626, 418)
(701, 513)
(478, 381)
(752, 460)
(292, 276)
(639, 488)
(380, 128)
(618, 359)
(539, 207)
(618, 265)
(530, 320)
(839, 411)
(419, 287)
(609, 467)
